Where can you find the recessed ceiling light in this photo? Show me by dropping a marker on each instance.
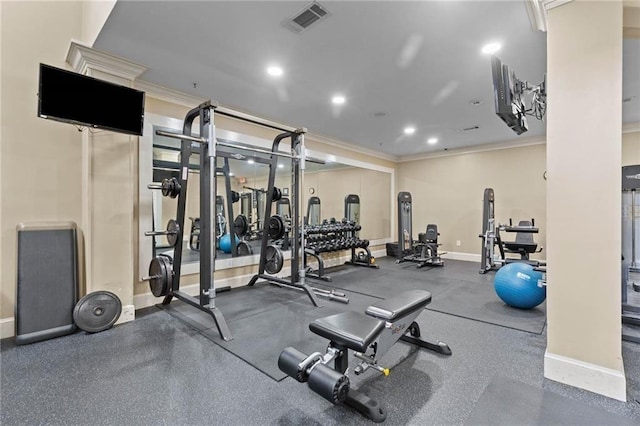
(231, 174)
(432, 141)
(409, 130)
(338, 100)
(274, 71)
(250, 161)
(280, 166)
(491, 48)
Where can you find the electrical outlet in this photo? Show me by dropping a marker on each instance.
(458, 243)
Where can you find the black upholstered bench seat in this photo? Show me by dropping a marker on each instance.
(351, 329)
(400, 305)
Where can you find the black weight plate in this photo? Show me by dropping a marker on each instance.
(173, 232)
(273, 260)
(235, 196)
(244, 249)
(161, 273)
(97, 311)
(277, 194)
(276, 227)
(241, 225)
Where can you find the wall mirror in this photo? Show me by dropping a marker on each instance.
(247, 177)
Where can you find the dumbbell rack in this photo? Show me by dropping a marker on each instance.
(334, 237)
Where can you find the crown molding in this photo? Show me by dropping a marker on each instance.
(83, 58)
(516, 143)
(168, 95)
(631, 127)
(352, 147)
(537, 11)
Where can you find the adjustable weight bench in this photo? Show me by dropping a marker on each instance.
(369, 336)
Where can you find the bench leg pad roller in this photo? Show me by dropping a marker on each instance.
(288, 362)
(328, 383)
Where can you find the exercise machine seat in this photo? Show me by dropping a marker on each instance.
(524, 240)
(400, 305)
(350, 329)
(431, 236)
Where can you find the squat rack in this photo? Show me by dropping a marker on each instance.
(164, 272)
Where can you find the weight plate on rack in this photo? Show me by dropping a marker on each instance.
(97, 311)
(277, 194)
(276, 227)
(241, 225)
(171, 187)
(173, 232)
(244, 248)
(273, 259)
(161, 276)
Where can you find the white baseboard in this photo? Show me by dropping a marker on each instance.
(455, 255)
(128, 314)
(591, 377)
(7, 327)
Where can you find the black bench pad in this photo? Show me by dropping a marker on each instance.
(350, 329)
(400, 305)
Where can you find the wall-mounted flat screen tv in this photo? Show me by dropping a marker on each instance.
(86, 101)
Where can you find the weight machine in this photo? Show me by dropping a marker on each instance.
(424, 252)
(523, 244)
(360, 253)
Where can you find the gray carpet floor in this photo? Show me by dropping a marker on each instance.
(157, 370)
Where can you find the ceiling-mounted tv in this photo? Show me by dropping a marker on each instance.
(86, 101)
(507, 105)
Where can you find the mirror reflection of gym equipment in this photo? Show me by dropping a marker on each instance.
(314, 215)
(630, 253)
(424, 251)
(524, 245)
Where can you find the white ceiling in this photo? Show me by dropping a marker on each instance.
(415, 63)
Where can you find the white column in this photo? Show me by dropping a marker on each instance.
(584, 60)
(109, 188)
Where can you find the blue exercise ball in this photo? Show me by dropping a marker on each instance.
(517, 285)
(225, 243)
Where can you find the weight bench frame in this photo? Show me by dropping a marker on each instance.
(370, 337)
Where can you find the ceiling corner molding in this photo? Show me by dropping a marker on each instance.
(351, 147)
(84, 59)
(537, 11)
(474, 149)
(631, 127)
(168, 95)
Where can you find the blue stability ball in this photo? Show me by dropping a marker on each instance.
(517, 285)
(225, 243)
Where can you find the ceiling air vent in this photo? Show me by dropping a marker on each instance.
(468, 129)
(306, 17)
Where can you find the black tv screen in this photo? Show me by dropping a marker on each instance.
(507, 108)
(78, 99)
